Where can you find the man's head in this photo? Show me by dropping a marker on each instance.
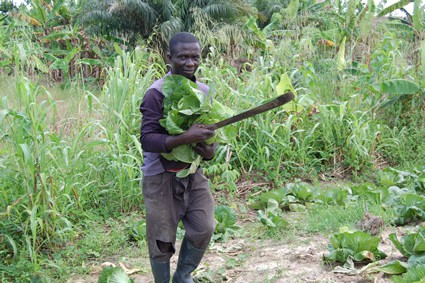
(185, 54)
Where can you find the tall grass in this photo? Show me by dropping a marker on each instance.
(55, 166)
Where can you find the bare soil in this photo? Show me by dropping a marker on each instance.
(258, 261)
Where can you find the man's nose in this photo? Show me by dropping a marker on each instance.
(190, 62)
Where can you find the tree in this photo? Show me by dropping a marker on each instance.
(216, 10)
(6, 6)
(266, 9)
(131, 18)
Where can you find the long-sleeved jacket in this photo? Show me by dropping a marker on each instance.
(153, 135)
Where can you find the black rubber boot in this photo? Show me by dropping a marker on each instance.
(189, 259)
(161, 271)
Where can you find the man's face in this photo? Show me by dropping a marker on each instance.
(185, 59)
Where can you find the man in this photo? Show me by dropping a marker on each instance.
(169, 199)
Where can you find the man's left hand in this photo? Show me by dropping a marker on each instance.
(205, 150)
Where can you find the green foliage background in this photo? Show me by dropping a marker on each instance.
(72, 80)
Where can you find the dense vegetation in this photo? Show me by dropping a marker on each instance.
(73, 73)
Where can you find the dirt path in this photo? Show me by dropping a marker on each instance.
(260, 261)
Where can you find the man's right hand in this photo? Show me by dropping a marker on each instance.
(198, 133)
(195, 134)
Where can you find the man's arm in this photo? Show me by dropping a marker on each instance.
(153, 135)
(195, 134)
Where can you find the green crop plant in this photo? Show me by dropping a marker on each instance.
(119, 163)
(357, 245)
(114, 274)
(345, 139)
(226, 223)
(272, 219)
(411, 246)
(414, 274)
(38, 200)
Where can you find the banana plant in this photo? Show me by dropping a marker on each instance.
(48, 14)
(415, 21)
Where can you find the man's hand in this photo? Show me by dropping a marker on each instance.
(207, 151)
(195, 134)
(198, 133)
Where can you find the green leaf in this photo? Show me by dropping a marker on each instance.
(284, 86)
(394, 267)
(5, 63)
(398, 245)
(118, 49)
(184, 153)
(416, 260)
(185, 105)
(422, 51)
(419, 246)
(90, 61)
(413, 274)
(341, 55)
(296, 207)
(399, 87)
(394, 7)
(59, 64)
(291, 11)
(138, 231)
(114, 275)
(225, 217)
(40, 65)
(357, 244)
(11, 244)
(276, 194)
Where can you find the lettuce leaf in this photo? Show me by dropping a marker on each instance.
(411, 246)
(358, 245)
(185, 105)
(414, 274)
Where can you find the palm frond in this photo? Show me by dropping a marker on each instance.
(219, 11)
(394, 7)
(169, 28)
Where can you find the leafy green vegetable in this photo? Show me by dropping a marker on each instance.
(226, 222)
(138, 231)
(409, 207)
(367, 190)
(415, 274)
(272, 217)
(114, 275)
(185, 105)
(357, 245)
(411, 246)
(333, 196)
(394, 267)
(296, 195)
(263, 199)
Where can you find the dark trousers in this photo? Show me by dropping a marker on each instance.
(168, 200)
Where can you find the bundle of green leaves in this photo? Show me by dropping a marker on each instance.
(412, 247)
(226, 222)
(357, 245)
(184, 106)
(114, 275)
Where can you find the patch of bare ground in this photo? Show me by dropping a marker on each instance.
(259, 261)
